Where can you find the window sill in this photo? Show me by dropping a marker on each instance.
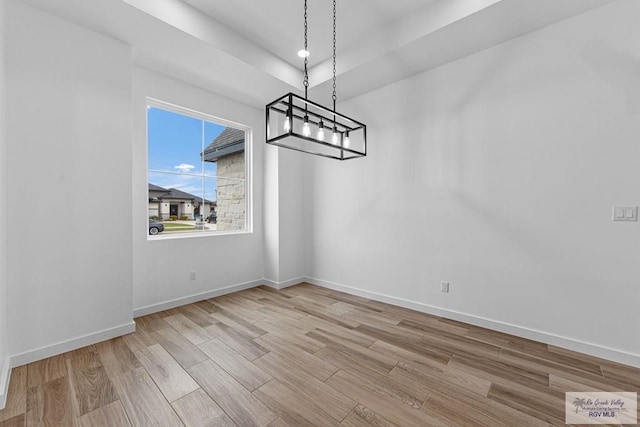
(196, 235)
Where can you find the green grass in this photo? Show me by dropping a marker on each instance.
(170, 226)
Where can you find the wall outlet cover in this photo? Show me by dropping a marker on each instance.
(624, 213)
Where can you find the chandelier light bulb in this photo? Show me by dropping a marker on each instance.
(306, 130)
(334, 137)
(346, 139)
(287, 120)
(320, 131)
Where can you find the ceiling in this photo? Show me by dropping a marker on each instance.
(279, 27)
(246, 49)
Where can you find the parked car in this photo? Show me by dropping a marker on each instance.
(212, 218)
(155, 227)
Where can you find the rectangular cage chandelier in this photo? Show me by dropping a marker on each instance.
(299, 124)
(296, 123)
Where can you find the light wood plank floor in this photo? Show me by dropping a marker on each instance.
(306, 356)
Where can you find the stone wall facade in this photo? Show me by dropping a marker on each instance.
(231, 195)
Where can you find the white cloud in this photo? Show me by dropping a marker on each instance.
(184, 167)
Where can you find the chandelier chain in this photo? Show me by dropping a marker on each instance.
(334, 56)
(305, 81)
(297, 123)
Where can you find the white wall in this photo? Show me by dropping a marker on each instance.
(4, 349)
(290, 205)
(284, 221)
(498, 173)
(271, 179)
(222, 262)
(69, 149)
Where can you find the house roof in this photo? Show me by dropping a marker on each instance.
(174, 193)
(230, 141)
(153, 187)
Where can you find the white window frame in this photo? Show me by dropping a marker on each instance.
(248, 159)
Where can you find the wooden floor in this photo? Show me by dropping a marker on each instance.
(306, 356)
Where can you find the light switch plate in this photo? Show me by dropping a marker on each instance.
(625, 213)
(444, 287)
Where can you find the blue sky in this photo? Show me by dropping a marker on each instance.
(175, 142)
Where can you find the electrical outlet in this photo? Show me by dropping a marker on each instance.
(625, 213)
(444, 287)
(192, 275)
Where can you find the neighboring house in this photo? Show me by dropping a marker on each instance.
(167, 202)
(227, 150)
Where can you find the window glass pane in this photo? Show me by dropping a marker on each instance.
(174, 141)
(197, 174)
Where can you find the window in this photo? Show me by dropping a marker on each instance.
(197, 172)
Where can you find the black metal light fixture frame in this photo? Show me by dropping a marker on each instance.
(294, 108)
(289, 119)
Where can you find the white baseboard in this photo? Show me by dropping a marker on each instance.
(154, 308)
(285, 284)
(5, 377)
(532, 334)
(72, 344)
